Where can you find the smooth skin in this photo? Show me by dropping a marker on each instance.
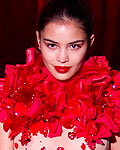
(63, 43)
(5, 143)
(116, 145)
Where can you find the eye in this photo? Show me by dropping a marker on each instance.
(75, 46)
(51, 45)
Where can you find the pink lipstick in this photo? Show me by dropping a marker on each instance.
(62, 69)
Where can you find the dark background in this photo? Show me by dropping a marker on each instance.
(18, 22)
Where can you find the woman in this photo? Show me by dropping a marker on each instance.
(62, 103)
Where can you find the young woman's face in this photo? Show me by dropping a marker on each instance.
(63, 46)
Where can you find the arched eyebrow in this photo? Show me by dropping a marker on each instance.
(50, 41)
(77, 41)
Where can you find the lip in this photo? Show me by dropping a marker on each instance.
(62, 69)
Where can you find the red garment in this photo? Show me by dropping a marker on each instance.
(32, 101)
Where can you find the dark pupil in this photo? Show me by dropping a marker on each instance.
(52, 45)
(74, 46)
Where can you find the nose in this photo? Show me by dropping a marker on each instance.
(63, 56)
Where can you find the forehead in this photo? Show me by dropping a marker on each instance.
(63, 29)
(66, 21)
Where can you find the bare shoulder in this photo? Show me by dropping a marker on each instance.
(5, 142)
(116, 144)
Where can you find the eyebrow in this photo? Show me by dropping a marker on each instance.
(77, 41)
(50, 41)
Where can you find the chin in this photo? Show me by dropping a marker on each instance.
(62, 77)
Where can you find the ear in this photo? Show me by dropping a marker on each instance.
(92, 38)
(38, 39)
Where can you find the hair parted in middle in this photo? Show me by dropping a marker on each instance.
(77, 10)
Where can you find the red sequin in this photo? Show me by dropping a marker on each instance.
(43, 148)
(71, 135)
(60, 148)
(83, 147)
(16, 145)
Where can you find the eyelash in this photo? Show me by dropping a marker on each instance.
(73, 46)
(50, 45)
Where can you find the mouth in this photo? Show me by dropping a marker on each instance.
(62, 69)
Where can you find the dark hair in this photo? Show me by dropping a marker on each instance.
(78, 10)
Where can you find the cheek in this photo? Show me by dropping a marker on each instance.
(48, 58)
(78, 58)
